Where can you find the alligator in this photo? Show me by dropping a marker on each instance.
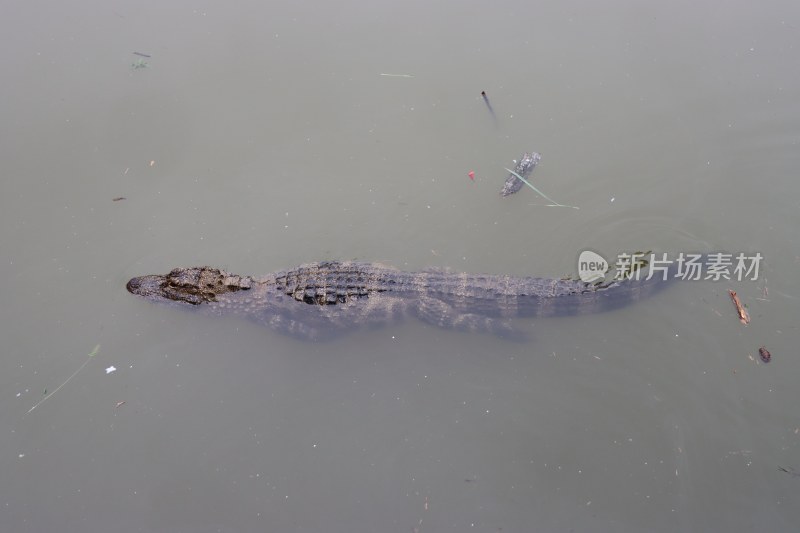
(525, 166)
(317, 301)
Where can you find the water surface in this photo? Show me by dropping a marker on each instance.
(259, 136)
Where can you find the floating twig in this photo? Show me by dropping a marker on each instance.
(118, 198)
(488, 105)
(540, 193)
(744, 316)
(92, 354)
(141, 54)
(397, 75)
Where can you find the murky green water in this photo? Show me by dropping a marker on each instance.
(261, 136)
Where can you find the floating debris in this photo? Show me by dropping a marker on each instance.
(111, 369)
(118, 198)
(744, 316)
(91, 354)
(488, 105)
(141, 54)
(397, 75)
(540, 193)
(516, 177)
(139, 64)
(764, 354)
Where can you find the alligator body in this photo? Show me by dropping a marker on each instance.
(525, 166)
(319, 300)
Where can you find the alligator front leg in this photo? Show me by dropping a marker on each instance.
(325, 322)
(441, 314)
(299, 329)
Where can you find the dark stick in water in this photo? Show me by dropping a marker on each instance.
(140, 54)
(488, 104)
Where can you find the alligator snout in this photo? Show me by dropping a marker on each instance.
(134, 285)
(145, 285)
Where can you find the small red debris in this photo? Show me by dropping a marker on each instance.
(471, 175)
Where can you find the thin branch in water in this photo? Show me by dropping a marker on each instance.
(540, 193)
(92, 354)
(489, 106)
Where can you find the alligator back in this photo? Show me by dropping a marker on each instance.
(336, 296)
(513, 297)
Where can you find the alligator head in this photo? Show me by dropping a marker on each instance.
(194, 285)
